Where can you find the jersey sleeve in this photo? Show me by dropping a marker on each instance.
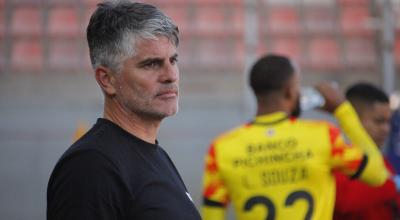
(345, 158)
(85, 186)
(215, 194)
(362, 159)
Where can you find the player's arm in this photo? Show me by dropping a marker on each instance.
(372, 169)
(368, 165)
(215, 196)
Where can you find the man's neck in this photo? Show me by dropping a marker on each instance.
(271, 105)
(132, 123)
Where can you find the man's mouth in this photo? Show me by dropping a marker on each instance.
(171, 93)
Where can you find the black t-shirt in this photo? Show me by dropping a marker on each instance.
(111, 174)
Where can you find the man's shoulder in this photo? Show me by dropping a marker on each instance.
(84, 153)
(102, 138)
(90, 142)
(245, 129)
(316, 123)
(96, 143)
(232, 133)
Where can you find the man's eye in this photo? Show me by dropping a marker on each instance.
(152, 64)
(380, 121)
(174, 60)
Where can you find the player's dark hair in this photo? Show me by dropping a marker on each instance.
(270, 73)
(366, 93)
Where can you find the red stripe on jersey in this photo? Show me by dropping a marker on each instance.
(211, 152)
(210, 189)
(337, 151)
(212, 164)
(248, 125)
(212, 167)
(354, 165)
(333, 133)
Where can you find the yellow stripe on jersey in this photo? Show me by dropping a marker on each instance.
(279, 168)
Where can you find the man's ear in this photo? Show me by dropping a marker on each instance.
(106, 79)
(290, 90)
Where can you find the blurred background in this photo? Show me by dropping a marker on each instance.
(48, 93)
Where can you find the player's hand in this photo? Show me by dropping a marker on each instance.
(333, 97)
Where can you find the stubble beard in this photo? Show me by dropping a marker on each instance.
(144, 108)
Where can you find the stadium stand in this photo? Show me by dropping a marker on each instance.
(27, 55)
(27, 22)
(324, 36)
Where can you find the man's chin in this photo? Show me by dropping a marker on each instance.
(173, 112)
(168, 113)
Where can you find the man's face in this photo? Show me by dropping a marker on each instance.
(148, 82)
(376, 120)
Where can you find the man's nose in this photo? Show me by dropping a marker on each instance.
(170, 73)
(386, 128)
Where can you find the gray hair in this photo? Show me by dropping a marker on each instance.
(116, 26)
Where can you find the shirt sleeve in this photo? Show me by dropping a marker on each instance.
(215, 194)
(86, 186)
(362, 159)
(355, 196)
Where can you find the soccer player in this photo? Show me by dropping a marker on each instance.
(280, 167)
(355, 199)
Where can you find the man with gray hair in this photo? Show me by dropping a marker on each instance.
(117, 170)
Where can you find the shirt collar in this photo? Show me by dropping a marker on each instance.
(269, 119)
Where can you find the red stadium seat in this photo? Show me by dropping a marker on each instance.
(64, 55)
(320, 20)
(27, 21)
(27, 55)
(210, 20)
(324, 53)
(64, 22)
(360, 53)
(283, 20)
(289, 47)
(236, 22)
(25, 3)
(356, 21)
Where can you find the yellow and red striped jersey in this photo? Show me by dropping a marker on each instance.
(281, 168)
